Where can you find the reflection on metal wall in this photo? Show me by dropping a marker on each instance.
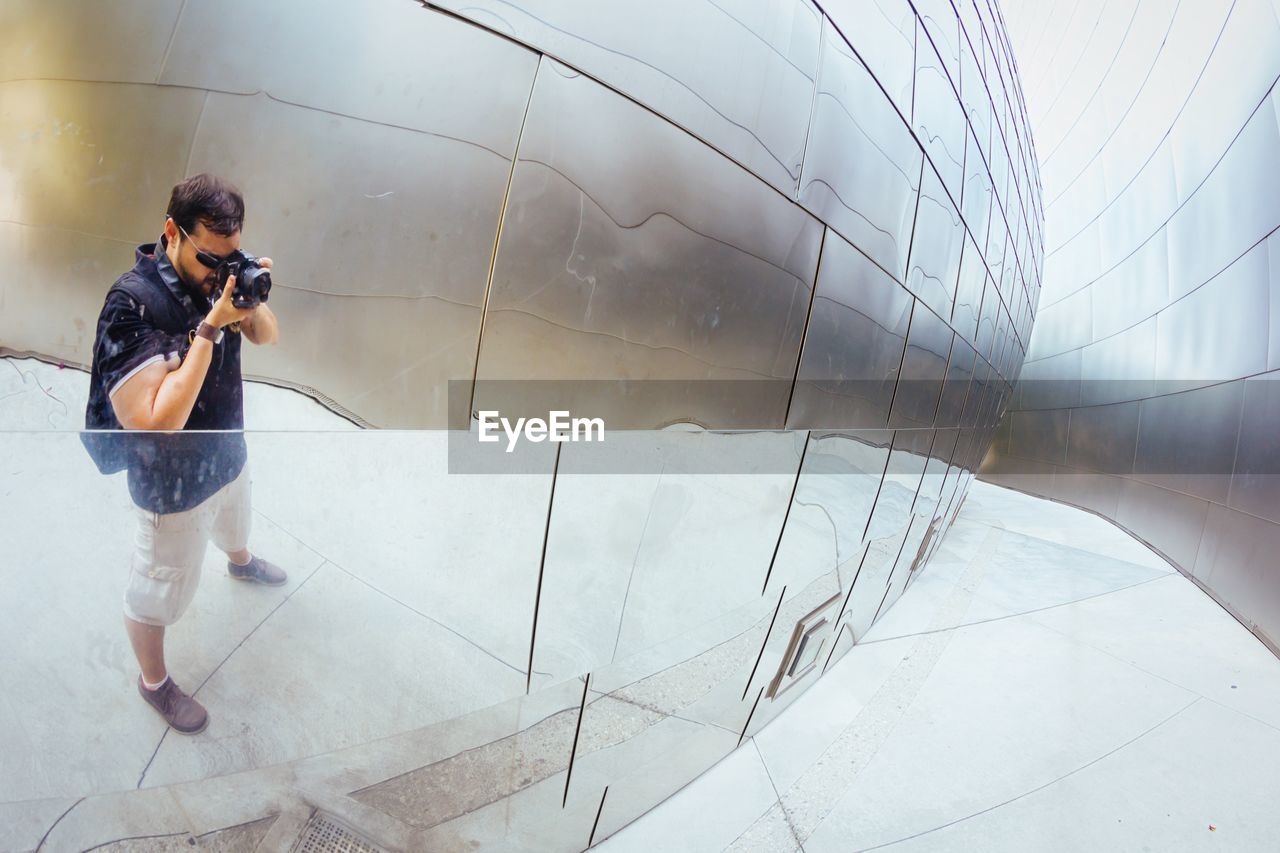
(1149, 394)
(840, 204)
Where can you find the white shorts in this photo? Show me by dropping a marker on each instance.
(170, 549)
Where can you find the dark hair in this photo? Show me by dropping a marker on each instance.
(210, 200)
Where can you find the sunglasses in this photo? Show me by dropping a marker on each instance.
(210, 261)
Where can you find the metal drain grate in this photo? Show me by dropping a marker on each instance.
(326, 834)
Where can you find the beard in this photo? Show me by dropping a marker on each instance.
(198, 286)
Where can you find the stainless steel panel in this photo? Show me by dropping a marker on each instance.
(494, 524)
(924, 366)
(94, 158)
(1217, 332)
(1187, 441)
(956, 387)
(969, 285)
(411, 315)
(1237, 563)
(59, 317)
(643, 745)
(118, 40)
(1255, 480)
(387, 61)
(936, 243)
(1025, 475)
(1236, 205)
(1119, 368)
(1169, 521)
(831, 510)
(978, 390)
(1103, 438)
(935, 473)
(862, 167)
(1273, 300)
(902, 479)
(1040, 435)
(633, 559)
(740, 77)
(976, 204)
(884, 33)
(943, 26)
(1050, 383)
(613, 267)
(938, 118)
(853, 345)
(987, 317)
(997, 242)
(1097, 492)
(888, 530)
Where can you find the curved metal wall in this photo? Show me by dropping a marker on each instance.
(839, 202)
(1148, 394)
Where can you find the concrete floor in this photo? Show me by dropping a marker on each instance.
(1046, 684)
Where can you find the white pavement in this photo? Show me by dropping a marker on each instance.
(1048, 684)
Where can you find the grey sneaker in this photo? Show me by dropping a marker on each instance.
(258, 570)
(184, 714)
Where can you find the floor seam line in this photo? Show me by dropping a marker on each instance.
(1038, 788)
(142, 778)
(786, 816)
(1165, 679)
(1010, 615)
(391, 597)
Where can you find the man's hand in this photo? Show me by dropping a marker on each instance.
(224, 311)
(260, 327)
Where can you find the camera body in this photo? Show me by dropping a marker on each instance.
(253, 280)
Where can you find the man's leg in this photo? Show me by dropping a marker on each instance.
(231, 526)
(162, 582)
(148, 647)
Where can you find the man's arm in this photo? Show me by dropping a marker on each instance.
(261, 327)
(156, 397)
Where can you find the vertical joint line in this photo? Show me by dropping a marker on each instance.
(599, 811)
(497, 239)
(813, 101)
(747, 724)
(573, 752)
(876, 501)
(542, 565)
(804, 333)
(168, 48)
(786, 515)
(906, 343)
(763, 645)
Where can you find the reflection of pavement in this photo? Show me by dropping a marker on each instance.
(387, 686)
(1047, 684)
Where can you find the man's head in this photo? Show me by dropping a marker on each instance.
(203, 226)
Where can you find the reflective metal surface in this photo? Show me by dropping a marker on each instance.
(750, 100)
(862, 166)
(924, 366)
(608, 270)
(819, 205)
(1159, 291)
(853, 348)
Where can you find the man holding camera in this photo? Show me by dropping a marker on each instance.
(166, 357)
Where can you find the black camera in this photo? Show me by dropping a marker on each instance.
(253, 280)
